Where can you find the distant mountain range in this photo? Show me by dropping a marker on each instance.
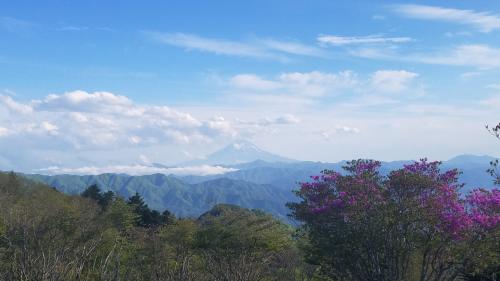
(258, 179)
(186, 200)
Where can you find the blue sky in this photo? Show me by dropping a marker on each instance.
(105, 83)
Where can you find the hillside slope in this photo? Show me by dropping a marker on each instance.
(183, 199)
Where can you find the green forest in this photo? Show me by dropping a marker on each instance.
(47, 235)
(409, 225)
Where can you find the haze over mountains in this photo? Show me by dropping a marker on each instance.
(249, 177)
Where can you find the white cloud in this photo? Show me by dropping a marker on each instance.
(482, 56)
(135, 170)
(219, 124)
(100, 138)
(307, 87)
(78, 117)
(144, 159)
(217, 46)
(285, 119)
(482, 21)
(312, 84)
(14, 106)
(169, 117)
(252, 81)
(493, 86)
(81, 101)
(267, 48)
(374, 52)
(346, 129)
(474, 55)
(293, 48)
(392, 80)
(82, 120)
(135, 139)
(470, 74)
(49, 128)
(102, 129)
(358, 40)
(3, 132)
(317, 84)
(338, 130)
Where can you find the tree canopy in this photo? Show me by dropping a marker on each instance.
(410, 225)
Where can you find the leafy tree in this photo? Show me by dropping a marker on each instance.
(410, 225)
(10, 184)
(121, 215)
(46, 235)
(488, 267)
(175, 254)
(239, 244)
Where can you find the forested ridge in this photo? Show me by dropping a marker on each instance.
(256, 185)
(48, 235)
(411, 224)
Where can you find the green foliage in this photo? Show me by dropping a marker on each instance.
(47, 235)
(145, 216)
(121, 215)
(162, 192)
(411, 225)
(240, 242)
(229, 226)
(34, 218)
(102, 198)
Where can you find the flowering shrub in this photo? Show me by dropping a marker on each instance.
(484, 208)
(365, 226)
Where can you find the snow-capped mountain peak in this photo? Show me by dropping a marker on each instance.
(239, 152)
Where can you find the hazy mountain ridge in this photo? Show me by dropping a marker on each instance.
(256, 185)
(287, 175)
(183, 199)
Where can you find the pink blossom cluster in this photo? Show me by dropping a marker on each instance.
(484, 207)
(335, 191)
(480, 208)
(432, 171)
(439, 195)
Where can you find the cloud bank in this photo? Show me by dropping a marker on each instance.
(84, 123)
(138, 170)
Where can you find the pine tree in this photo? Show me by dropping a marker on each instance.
(103, 199)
